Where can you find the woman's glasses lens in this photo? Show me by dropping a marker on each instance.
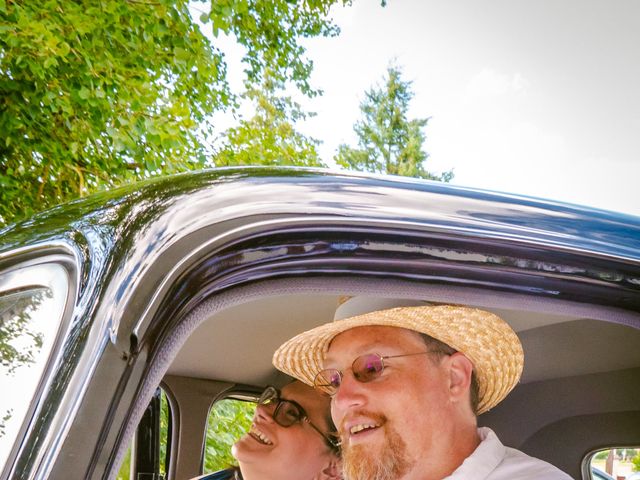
(286, 413)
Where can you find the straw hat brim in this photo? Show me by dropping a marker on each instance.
(484, 338)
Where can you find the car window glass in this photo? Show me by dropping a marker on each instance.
(153, 452)
(616, 464)
(228, 420)
(32, 302)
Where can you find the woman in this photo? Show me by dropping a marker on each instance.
(291, 437)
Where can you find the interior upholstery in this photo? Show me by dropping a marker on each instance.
(580, 389)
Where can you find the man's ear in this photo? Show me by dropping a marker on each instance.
(460, 371)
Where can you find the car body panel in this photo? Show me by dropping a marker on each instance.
(148, 254)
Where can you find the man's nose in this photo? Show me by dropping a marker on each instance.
(350, 394)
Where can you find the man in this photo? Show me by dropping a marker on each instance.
(406, 384)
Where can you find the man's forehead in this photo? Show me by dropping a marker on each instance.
(360, 340)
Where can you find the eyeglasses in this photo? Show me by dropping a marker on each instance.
(288, 412)
(365, 368)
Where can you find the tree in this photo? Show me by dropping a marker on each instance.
(388, 142)
(94, 94)
(269, 137)
(635, 461)
(228, 421)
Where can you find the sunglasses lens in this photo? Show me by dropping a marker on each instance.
(367, 367)
(287, 414)
(328, 381)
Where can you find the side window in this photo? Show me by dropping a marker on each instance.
(229, 419)
(615, 464)
(149, 453)
(32, 304)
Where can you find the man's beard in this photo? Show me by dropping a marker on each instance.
(387, 461)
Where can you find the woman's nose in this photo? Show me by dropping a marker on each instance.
(265, 412)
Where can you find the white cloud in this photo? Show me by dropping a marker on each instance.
(489, 83)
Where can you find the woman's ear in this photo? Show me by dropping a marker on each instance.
(333, 470)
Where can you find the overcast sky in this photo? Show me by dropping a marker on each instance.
(534, 97)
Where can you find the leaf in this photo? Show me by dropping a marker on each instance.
(64, 49)
(84, 93)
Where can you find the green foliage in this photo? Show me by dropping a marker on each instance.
(228, 421)
(388, 142)
(3, 421)
(270, 30)
(125, 469)
(164, 431)
(95, 94)
(636, 461)
(269, 137)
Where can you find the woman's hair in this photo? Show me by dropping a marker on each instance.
(333, 435)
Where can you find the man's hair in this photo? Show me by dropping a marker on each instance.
(441, 349)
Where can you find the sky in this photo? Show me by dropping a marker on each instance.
(540, 98)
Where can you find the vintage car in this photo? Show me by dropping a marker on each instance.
(191, 282)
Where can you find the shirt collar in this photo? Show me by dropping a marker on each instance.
(484, 459)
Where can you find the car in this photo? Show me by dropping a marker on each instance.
(191, 282)
(598, 474)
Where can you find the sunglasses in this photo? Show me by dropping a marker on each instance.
(365, 368)
(288, 412)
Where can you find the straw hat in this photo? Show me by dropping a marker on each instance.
(484, 338)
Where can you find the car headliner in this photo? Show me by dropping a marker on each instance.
(232, 346)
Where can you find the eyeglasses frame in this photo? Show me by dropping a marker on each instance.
(341, 374)
(333, 443)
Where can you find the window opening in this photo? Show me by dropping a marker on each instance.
(150, 451)
(615, 464)
(229, 419)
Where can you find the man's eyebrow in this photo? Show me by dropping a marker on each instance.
(379, 348)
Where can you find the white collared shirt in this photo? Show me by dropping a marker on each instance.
(491, 460)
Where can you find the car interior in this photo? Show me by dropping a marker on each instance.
(579, 392)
